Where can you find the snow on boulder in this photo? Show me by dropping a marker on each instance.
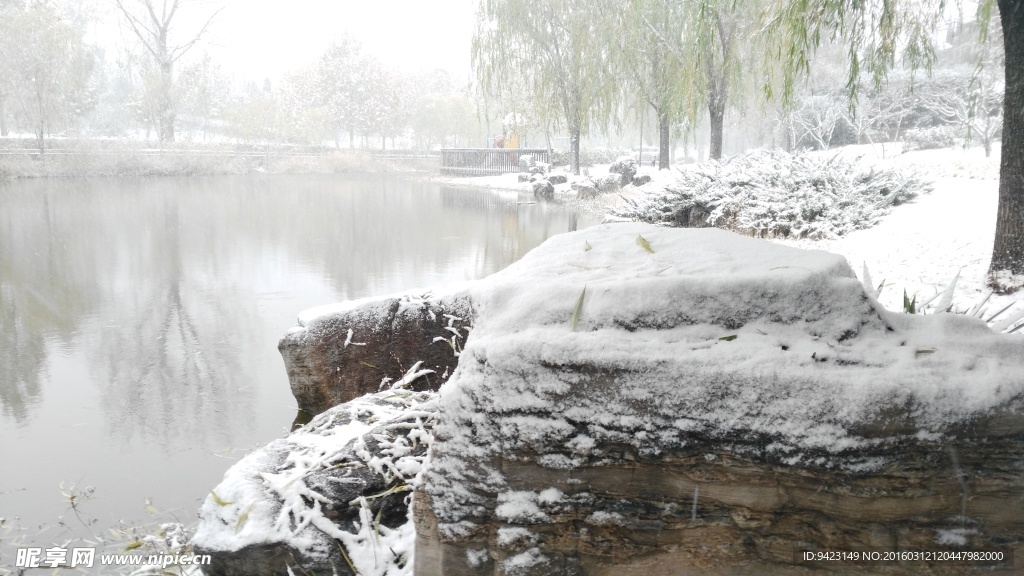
(644, 400)
(331, 498)
(543, 188)
(625, 167)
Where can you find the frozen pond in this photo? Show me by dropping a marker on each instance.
(139, 320)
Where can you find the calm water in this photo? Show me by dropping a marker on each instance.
(139, 321)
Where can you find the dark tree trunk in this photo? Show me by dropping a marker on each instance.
(717, 117)
(663, 139)
(1008, 249)
(718, 90)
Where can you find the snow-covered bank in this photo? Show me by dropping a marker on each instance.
(919, 247)
(112, 158)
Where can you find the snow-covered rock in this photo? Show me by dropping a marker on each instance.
(543, 188)
(333, 497)
(343, 351)
(641, 179)
(644, 400)
(626, 167)
(584, 187)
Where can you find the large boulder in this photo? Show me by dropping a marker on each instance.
(542, 188)
(331, 498)
(625, 167)
(343, 351)
(642, 400)
(641, 179)
(584, 187)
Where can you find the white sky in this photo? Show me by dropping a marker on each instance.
(265, 38)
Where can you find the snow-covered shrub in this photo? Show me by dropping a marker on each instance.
(609, 183)
(776, 194)
(931, 138)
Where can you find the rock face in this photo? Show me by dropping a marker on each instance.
(625, 167)
(640, 400)
(585, 188)
(543, 188)
(342, 482)
(641, 179)
(342, 352)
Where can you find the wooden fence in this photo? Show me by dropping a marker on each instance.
(487, 161)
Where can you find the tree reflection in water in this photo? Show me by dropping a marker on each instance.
(139, 317)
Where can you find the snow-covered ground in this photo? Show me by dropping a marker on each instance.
(920, 247)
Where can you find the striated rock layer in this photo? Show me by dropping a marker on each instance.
(639, 400)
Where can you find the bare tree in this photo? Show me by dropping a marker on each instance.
(151, 21)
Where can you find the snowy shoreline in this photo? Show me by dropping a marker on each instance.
(111, 158)
(920, 247)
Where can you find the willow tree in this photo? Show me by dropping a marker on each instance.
(559, 48)
(877, 33)
(703, 55)
(651, 57)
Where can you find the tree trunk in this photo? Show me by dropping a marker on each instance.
(717, 117)
(663, 139)
(1008, 249)
(574, 149)
(167, 113)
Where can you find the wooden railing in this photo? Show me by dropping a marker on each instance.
(487, 161)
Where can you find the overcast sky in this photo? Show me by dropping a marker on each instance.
(265, 38)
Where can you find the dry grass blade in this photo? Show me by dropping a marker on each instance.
(643, 243)
(218, 500)
(243, 518)
(578, 309)
(347, 559)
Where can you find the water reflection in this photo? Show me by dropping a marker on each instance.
(139, 317)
